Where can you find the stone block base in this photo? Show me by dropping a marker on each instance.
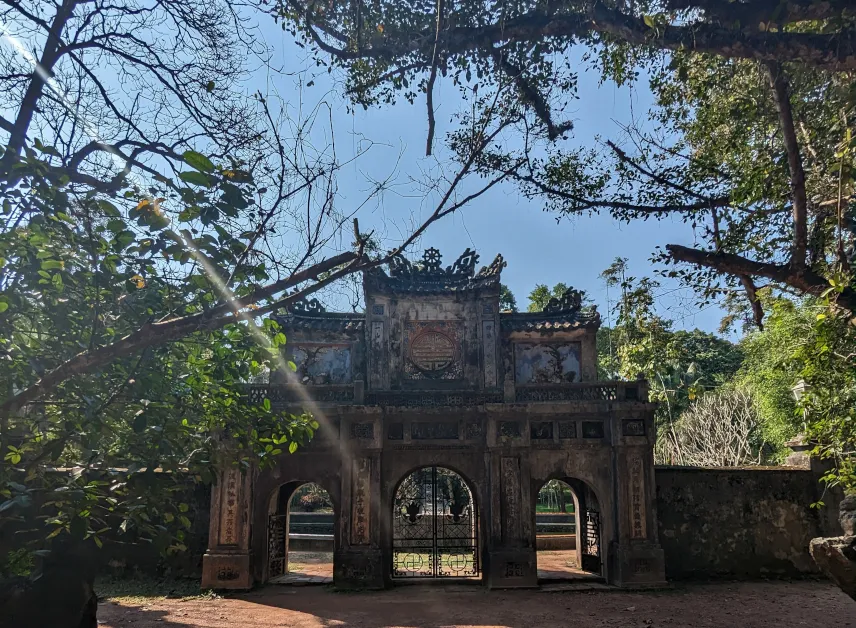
(836, 558)
(358, 569)
(512, 569)
(638, 565)
(226, 571)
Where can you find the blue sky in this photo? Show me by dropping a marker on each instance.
(537, 248)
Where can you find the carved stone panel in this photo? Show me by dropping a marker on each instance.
(376, 342)
(593, 429)
(633, 427)
(510, 470)
(637, 497)
(360, 499)
(434, 430)
(541, 430)
(432, 350)
(474, 430)
(546, 363)
(396, 431)
(489, 340)
(363, 431)
(567, 429)
(514, 570)
(507, 430)
(230, 507)
(322, 364)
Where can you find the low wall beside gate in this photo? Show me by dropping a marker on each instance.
(741, 522)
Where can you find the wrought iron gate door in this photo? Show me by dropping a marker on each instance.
(276, 545)
(591, 543)
(434, 526)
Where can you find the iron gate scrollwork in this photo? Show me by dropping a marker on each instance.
(591, 546)
(434, 526)
(276, 545)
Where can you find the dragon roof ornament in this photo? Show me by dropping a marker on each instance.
(429, 274)
(570, 301)
(306, 306)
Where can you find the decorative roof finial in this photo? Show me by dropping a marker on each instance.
(570, 301)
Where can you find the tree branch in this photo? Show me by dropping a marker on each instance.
(531, 95)
(429, 89)
(804, 280)
(828, 51)
(781, 91)
(752, 295)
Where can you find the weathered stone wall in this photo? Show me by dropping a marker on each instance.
(751, 522)
(743, 523)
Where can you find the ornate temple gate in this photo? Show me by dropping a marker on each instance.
(435, 526)
(433, 373)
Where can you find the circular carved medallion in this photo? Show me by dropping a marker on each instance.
(432, 351)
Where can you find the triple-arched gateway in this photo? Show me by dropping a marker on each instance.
(441, 418)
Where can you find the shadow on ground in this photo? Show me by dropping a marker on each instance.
(721, 605)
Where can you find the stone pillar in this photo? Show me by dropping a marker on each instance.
(227, 563)
(636, 557)
(512, 561)
(358, 563)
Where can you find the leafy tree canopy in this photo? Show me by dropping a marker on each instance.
(754, 116)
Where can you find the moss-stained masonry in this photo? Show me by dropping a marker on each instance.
(749, 522)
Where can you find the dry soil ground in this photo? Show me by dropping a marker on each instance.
(720, 605)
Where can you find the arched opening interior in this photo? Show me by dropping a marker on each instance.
(434, 526)
(301, 525)
(567, 531)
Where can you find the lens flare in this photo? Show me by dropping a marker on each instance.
(122, 163)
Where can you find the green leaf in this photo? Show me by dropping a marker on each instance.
(266, 404)
(649, 21)
(124, 238)
(196, 178)
(3, 306)
(109, 209)
(139, 423)
(292, 366)
(52, 264)
(292, 447)
(198, 160)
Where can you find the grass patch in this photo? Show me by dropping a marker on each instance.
(140, 589)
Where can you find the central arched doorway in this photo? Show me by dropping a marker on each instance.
(434, 526)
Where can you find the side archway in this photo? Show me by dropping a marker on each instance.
(435, 526)
(300, 534)
(568, 530)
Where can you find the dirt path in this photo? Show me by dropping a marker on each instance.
(725, 605)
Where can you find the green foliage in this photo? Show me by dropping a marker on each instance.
(541, 295)
(827, 362)
(679, 365)
(507, 302)
(770, 370)
(81, 272)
